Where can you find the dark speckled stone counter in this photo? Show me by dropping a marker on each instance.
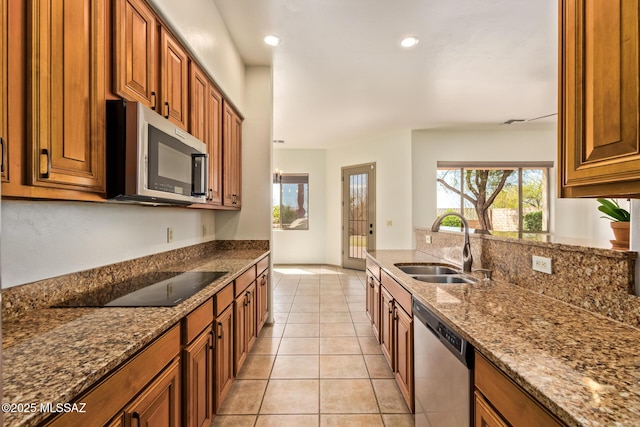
(54, 354)
(584, 367)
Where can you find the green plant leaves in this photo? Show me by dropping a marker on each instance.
(613, 211)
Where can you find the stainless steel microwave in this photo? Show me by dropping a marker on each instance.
(150, 160)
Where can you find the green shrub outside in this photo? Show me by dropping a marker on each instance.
(533, 221)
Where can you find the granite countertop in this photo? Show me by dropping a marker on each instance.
(54, 354)
(584, 367)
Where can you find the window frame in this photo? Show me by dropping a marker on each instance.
(290, 178)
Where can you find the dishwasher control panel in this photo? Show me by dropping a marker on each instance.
(452, 338)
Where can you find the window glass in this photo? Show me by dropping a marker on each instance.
(291, 202)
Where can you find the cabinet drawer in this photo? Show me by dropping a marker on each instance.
(196, 321)
(513, 403)
(244, 280)
(223, 299)
(263, 264)
(400, 294)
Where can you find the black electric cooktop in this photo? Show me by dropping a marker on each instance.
(161, 289)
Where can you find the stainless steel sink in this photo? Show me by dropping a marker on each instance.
(429, 269)
(443, 278)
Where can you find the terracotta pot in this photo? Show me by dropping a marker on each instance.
(621, 234)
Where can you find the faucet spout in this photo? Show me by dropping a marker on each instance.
(467, 259)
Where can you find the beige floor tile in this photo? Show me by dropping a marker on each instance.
(244, 397)
(334, 307)
(281, 308)
(341, 317)
(363, 329)
(337, 330)
(331, 291)
(287, 420)
(296, 367)
(398, 420)
(342, 366)
(304, 318)
(347, 397)
(280, 317)
(305, 308)
(331, 299)
(377, 366)
(355, 420)
(309, 291)
(356, 298)
(265, 346)
(306, 299)
(273, 331)
(283, 299)
(291, 397)
(256, 368)
(355, 307)
(339, 345)
(359, 316)
(389, 397)
(234, 421)
(301, 330)
(369, 345)
(299, 346)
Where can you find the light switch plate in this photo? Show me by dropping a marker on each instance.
(542, 264)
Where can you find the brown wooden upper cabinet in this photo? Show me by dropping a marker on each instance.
(599, 151)
(231, 157)
(66, 108)
(198, 102)
(135, 53)
(3, 91)
(174, 78)
(214, 146)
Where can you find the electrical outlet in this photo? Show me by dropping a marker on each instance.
(169, 234)
(542, 264)
(204, 230)
(427, 238)
(389, 223)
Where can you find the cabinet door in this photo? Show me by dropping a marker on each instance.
(231, 157)
(4, 23)
(67, 94)
(198, 102)
(376, 309)
(386, 324)
(224, 355)
(599, 104)
(240, 350)
(159, 403)
(173, 80)
(403, 354)
(369, 296)
(214, 146)
(135, 52)
(198, 369)
(485, 416)
(251, 312)
(263, 299)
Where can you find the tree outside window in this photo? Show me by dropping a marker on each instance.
(291, 202)
(496, 198)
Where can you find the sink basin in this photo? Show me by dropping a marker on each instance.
(442, 278)
(429, 269)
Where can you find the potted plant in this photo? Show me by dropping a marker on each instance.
(620, 220)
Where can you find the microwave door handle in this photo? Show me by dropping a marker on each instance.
(199, 174)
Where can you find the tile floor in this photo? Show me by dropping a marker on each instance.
(319, 364)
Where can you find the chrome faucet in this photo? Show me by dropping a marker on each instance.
(467, 259)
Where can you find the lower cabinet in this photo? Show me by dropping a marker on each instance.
(245, 325)
(386, 324)
(262, 294)
(373, 301)
(501, 402)
(223, 359)
(403, 352)
(159, 404)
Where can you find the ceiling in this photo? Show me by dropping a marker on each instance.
(339, 74)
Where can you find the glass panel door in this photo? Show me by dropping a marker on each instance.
(358, 214)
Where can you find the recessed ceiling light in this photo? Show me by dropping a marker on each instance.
(272, 40)
(408, 42)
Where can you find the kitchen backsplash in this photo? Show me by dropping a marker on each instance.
(596, 279)
(44, 293)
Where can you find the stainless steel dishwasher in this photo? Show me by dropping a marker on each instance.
(443, 367)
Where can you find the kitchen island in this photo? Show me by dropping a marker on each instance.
(584, 368)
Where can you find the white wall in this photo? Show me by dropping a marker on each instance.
(574, 218)
(392, 155)
(304, 246)
(42, 239)
(254, 220)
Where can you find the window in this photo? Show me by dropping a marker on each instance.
(291, 201)
(498, 197)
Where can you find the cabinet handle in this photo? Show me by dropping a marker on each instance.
(248, 298)
(153, 103)
(390, 307)
(1, 155)
(210, 195)
(213, 340)
(44, 155)
(136, 416)
(166, 104)
(220, 330)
